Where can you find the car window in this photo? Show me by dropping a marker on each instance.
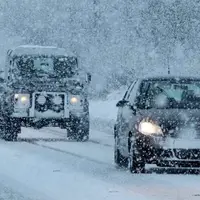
(127, 94)
(133, 93)
(167, 94)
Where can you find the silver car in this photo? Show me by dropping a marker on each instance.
(158, 122)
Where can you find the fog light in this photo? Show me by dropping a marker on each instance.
(41, 100)
(57, 100)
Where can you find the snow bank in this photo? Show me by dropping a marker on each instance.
(104, 110)
(103, 113)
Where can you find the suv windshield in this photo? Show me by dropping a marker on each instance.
(183, 94)
(28, 66)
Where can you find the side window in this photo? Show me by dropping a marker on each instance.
(140, 96)
(10, 69)
(127, 94)
(134, 92)
(131, 90)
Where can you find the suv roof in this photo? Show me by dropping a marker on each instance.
(41, 50)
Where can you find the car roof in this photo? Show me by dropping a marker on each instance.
(38, 50)
(170, 77)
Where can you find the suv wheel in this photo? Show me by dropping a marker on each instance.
(136, 162)
(79, 131)
(10, 129)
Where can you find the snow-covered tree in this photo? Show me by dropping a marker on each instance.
(115, 40)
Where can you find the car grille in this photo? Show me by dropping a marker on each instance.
(192, 154)
(182, 154)
(53, 102)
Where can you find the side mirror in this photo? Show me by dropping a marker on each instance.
(121, 103)
(133, 108)
(2, 80)
(89, 77)
(2, 89)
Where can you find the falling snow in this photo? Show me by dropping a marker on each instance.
(65, 127)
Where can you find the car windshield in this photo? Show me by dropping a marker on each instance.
(29, 66)
(183, 94)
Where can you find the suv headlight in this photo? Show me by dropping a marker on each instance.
(150, 128)
(22, 100)
(75, 100)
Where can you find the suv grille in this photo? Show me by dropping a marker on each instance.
(53, 102)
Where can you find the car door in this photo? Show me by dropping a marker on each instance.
(124, 114)
(121, 105)
(122, 102)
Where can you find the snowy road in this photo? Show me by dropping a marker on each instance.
(40, 168)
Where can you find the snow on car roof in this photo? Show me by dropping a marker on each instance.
(41, 50)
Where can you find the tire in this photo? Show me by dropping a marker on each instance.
(79, 130)
(136, 162)
(119, 159)
(10, 129)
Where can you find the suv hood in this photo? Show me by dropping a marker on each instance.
(51, 85)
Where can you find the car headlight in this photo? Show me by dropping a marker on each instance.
(22, 100)
(149, 128)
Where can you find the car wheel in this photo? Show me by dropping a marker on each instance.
(136, 162)
(10, 129)
(119, 159)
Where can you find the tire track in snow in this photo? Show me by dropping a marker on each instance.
(60, 140)
(157, 188)
(168, 192)
(159, 191)
(67, 152)
(90, 140)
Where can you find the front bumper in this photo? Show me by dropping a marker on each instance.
(174, 157)
(43, 105)
(53, 122)
(153, 151)
(50, 105)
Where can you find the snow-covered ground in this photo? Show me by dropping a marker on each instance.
(107, 109)
(41, 169)
(44, 165)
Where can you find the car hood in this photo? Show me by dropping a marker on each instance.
(174, 122)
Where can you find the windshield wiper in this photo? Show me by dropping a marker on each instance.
(165, 93)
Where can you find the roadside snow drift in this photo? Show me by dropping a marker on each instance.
(103, 113)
